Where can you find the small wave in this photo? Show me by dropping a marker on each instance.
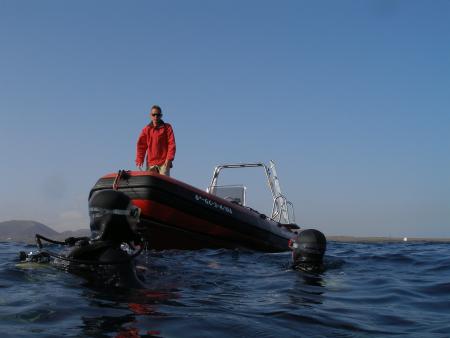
(435, 289)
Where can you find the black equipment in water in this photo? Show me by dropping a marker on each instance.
(108, 253)
(308, 249)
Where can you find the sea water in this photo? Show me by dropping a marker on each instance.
(366, 290)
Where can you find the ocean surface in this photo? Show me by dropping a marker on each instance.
(366, 290)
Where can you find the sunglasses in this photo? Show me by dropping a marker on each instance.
(157, 114)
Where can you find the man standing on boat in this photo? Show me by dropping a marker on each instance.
(157, 141)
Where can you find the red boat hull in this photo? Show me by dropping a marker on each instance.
(175, 215)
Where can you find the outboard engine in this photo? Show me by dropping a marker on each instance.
(308, 249)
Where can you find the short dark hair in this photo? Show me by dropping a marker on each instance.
(158, 108)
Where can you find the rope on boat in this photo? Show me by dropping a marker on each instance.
(120, 174)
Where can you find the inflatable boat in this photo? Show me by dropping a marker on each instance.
(176, 215)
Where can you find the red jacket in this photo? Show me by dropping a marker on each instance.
(157, 142)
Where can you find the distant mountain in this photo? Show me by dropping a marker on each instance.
(75, 233)
(24, 231)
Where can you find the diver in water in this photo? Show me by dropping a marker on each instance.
(308, 249)
(106, 257)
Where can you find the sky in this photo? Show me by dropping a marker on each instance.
(350, 99)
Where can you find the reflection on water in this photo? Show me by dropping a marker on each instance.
(307, 290)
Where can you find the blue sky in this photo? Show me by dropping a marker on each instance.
(351, 99)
